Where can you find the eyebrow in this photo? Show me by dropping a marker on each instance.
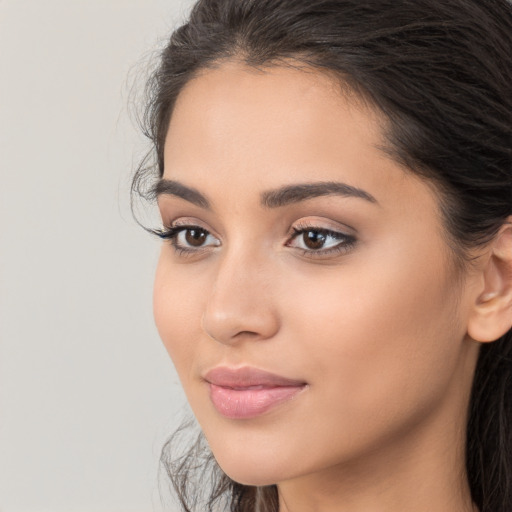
(175, 188)
(277, 198)
(295, 193)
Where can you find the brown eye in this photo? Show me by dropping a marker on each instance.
(189, 239)
(319, 242)
(313, 239)
(195, 237)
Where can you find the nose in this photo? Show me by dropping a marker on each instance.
(241, 301)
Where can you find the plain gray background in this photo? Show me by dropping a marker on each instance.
(87, 392)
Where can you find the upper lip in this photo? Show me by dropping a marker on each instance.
(246, 377)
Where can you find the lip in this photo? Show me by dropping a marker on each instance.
(247, 392)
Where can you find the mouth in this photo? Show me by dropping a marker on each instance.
(243, 393)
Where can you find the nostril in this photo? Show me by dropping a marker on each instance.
(247, 334)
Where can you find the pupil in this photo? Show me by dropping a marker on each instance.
(195, 237)
(314, 239)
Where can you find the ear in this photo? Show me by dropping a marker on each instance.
(491, 315)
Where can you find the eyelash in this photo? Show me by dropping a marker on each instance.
(346, 243)
(172, 233)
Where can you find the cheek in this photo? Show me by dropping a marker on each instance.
(177, 313)
(376, 331)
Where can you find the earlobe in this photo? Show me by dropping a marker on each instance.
(491, 316)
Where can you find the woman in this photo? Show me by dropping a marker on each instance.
(335, 288)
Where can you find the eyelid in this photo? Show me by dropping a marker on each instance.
(176, 229)
(173, 231)
(346, 240)
(343, 235)
(323, 224)
(184, 222)
(189, 222)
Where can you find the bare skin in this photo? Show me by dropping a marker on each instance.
(353, 293)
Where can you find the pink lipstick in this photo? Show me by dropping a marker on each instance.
(242, 393)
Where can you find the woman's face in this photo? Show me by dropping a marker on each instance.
(300, 249)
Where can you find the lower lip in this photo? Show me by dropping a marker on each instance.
(250, 402)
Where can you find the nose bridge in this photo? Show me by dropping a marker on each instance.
(240, 302)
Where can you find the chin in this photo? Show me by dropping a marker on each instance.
(252, 470)
(246, 474)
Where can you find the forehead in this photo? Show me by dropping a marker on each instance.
(239, 128)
